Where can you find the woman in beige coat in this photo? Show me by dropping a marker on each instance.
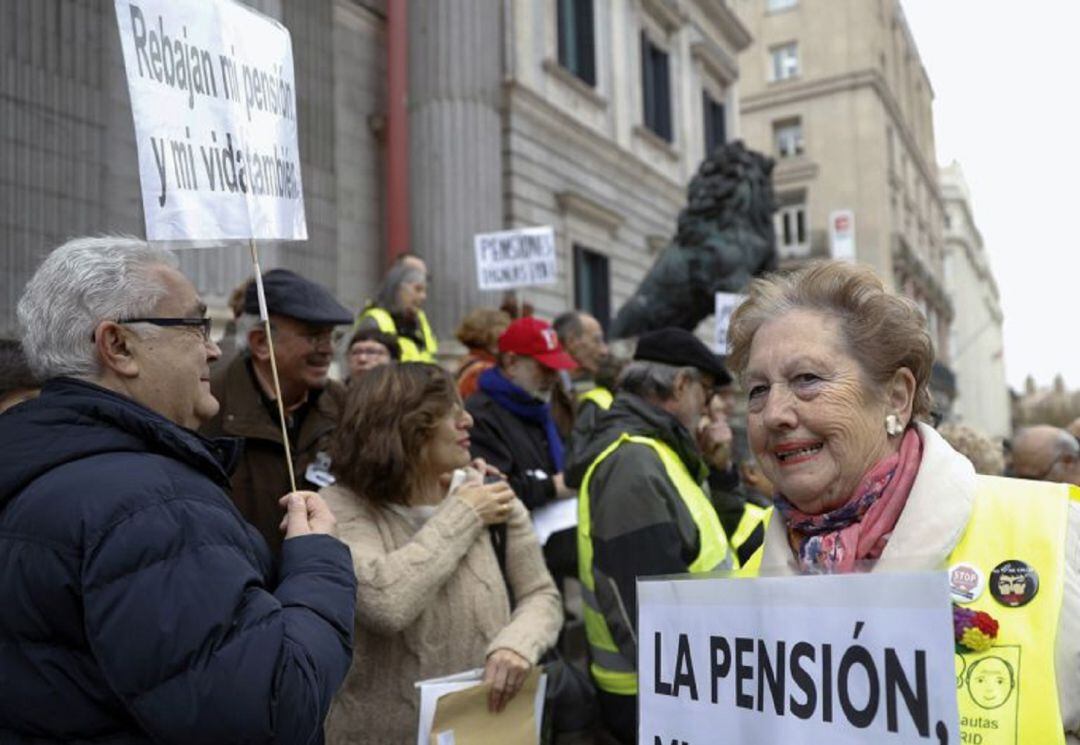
(432, 599)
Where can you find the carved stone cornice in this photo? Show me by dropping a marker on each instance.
(590, 209)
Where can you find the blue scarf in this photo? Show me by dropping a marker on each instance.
(521, 403)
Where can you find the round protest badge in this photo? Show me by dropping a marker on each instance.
(966, 582)
(1014, 583)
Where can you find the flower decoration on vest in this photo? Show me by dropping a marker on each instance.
(973, 630)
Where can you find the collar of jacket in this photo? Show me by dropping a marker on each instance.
(244, 415)
(74, 419)
(634, 415)
(934, 519)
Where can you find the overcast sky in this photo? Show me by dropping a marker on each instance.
(1005, 107)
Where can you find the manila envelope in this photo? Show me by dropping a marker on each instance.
(466, 714)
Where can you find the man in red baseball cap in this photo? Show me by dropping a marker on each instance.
(513, 429)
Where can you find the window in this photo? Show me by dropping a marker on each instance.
(576, 49)
(788, 137)
(775, 5)
(655, 88)
(792, 232)
(715, 126)
(592, 284)
(785, 61)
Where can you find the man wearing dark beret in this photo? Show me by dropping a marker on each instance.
(303, 315)
(644, 505)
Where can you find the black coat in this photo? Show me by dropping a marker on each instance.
(138, 606)
(517, 447)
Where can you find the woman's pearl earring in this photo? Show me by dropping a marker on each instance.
(893, 427)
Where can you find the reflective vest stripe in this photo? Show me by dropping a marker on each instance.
(612, 671)
(750, 532)
(410, 352)
(1023, 520)
(602, 397)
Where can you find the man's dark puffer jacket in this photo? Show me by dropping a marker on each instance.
(137, 605)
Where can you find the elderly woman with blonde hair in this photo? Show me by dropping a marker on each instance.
(836, 372)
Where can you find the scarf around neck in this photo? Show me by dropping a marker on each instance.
(523, 404)
(859, 528)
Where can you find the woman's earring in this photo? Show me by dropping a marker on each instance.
(893, 427)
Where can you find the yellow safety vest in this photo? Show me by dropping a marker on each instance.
(1027, 521)
(754, 518)
(602, 397)
(1011, 520)
(611, 671)
(410, 352)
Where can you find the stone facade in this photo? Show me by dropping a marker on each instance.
(67, 144)
(835, 91)
(565, 152)
(976, 341)
(502, 135)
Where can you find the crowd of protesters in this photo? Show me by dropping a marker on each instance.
(188, 556)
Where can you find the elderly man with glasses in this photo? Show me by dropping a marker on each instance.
(138, 605)
(1046, 453)
(303, 316)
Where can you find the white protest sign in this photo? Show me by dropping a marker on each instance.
(214, 101)
(839, 659)
(726, 303)
(842, 235)
(515, 258)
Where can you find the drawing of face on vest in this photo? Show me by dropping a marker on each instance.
(1014, 583)
(990, 681)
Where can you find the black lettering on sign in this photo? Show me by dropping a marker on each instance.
(771, 676)
(743, 672)
(801, 678)
(826, 682)
(858, 655)
(684, 669)
(661, 687)
(916, 701)
(719, 667)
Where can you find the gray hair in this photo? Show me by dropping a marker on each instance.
(244, 324)
(399, 274)
(653, 380)
(81, 283)
(568, 326)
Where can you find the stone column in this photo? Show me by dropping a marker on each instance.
(455, 146)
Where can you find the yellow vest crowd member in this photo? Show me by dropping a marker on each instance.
(398, 310)
(836, 371)
(642, 507)
(411, 351)
(1012, 562)
(601, 397)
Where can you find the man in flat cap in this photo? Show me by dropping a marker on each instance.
(303, 315)
(644, 506)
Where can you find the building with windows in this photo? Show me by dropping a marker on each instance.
(975, 338)
(587, 115)
(596, 115)
(835, 91)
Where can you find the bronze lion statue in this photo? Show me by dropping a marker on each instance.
(725, 237)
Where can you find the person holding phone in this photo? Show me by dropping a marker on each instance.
(432, 599)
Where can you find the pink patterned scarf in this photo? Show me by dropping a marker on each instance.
(858, 529)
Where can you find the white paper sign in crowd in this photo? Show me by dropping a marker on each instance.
(214, 101)
(515, 258)
(841, 659)
(726, 303)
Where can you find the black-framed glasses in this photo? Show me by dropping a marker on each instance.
(203, 324)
